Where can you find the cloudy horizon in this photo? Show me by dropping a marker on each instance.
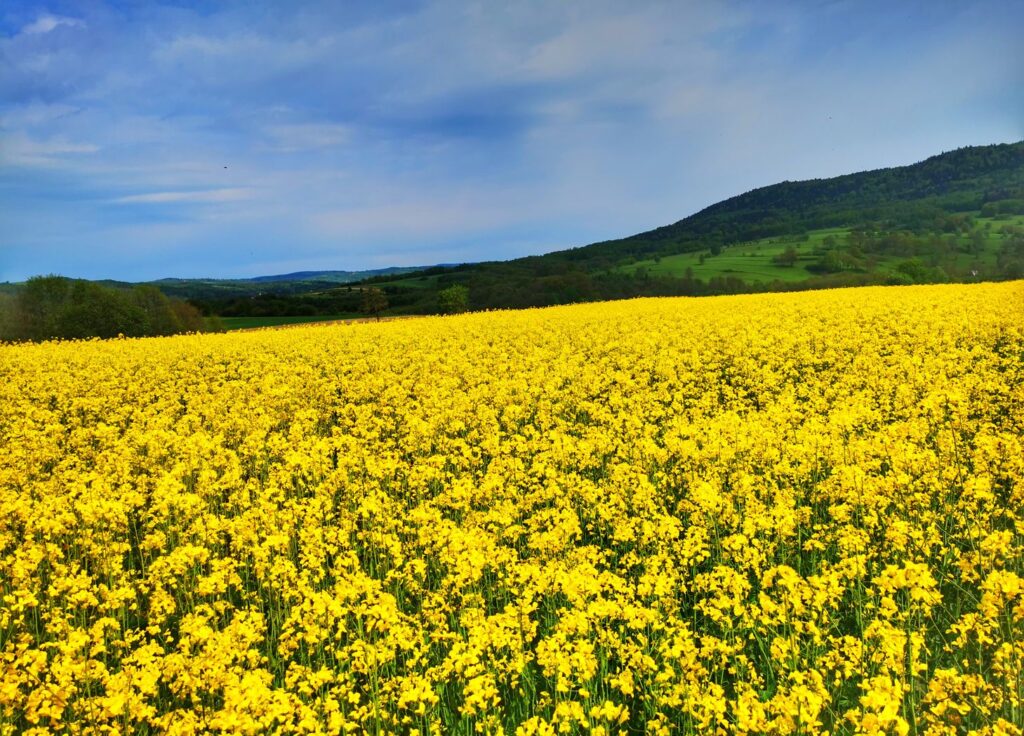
(144, 140)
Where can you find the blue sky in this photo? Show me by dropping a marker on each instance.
(144, 139)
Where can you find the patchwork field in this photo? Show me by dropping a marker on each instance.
(788, 513)
(753, 261)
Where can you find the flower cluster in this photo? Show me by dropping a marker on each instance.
(770, 514)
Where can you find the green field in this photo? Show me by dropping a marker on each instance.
(752, 261)
(248, 323)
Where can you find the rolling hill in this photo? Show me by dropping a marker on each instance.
(957, 216)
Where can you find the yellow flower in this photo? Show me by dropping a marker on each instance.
(754, 514)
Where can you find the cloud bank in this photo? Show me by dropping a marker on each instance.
(147, 140)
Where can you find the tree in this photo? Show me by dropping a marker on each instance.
(374, 302)
(453, 300)
(7, 321)
(977, 246)
(160, 318)
(96, 311)
(190, 319)
(38, 306)
(47, 307)
(786, 258)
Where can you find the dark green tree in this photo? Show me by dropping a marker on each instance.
(96, 311)
(453, 300)
(38, 307)
(190, 319)
(977, 246)
(7, 323)
(158, 314)
(786, 258)
(374, 302)
(47, 307)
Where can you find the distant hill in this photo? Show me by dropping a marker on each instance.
(957, 216)
(288, 283)
(953, 217)
(958, 181)
(341, 277)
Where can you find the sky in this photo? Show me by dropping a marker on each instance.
(141, 140)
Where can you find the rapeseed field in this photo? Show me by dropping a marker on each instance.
(770, 514)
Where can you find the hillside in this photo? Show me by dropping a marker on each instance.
(218, 289)
(956, 216)
(959, 181)
(288, 283)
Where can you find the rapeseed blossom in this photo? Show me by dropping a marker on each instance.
(775, 514)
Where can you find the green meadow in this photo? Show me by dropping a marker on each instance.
(753, 262)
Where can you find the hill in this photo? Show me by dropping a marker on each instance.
(964, 180)
(288, 283)
(219, 289)
(957, 216)
(342, 277)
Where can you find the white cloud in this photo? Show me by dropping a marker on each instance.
(18, 149)
(246, 56)
(494, 127)
(308, 136)
(46, 23)
(204, 196)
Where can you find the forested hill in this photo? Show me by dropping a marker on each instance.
(958, 216)
(963, 180)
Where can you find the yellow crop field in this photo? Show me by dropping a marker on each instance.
(756, 514)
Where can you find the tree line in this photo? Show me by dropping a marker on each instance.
(55, 307)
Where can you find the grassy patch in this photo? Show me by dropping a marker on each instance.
(751, 261)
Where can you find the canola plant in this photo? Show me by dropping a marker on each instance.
(769, 514)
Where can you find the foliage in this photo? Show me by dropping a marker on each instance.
(48, 307)
(7, 304)
(786, 258)
(453, 300)
(933, 203)
(374, 301)
(336, 300)
(1003, 207)
(779, 514)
